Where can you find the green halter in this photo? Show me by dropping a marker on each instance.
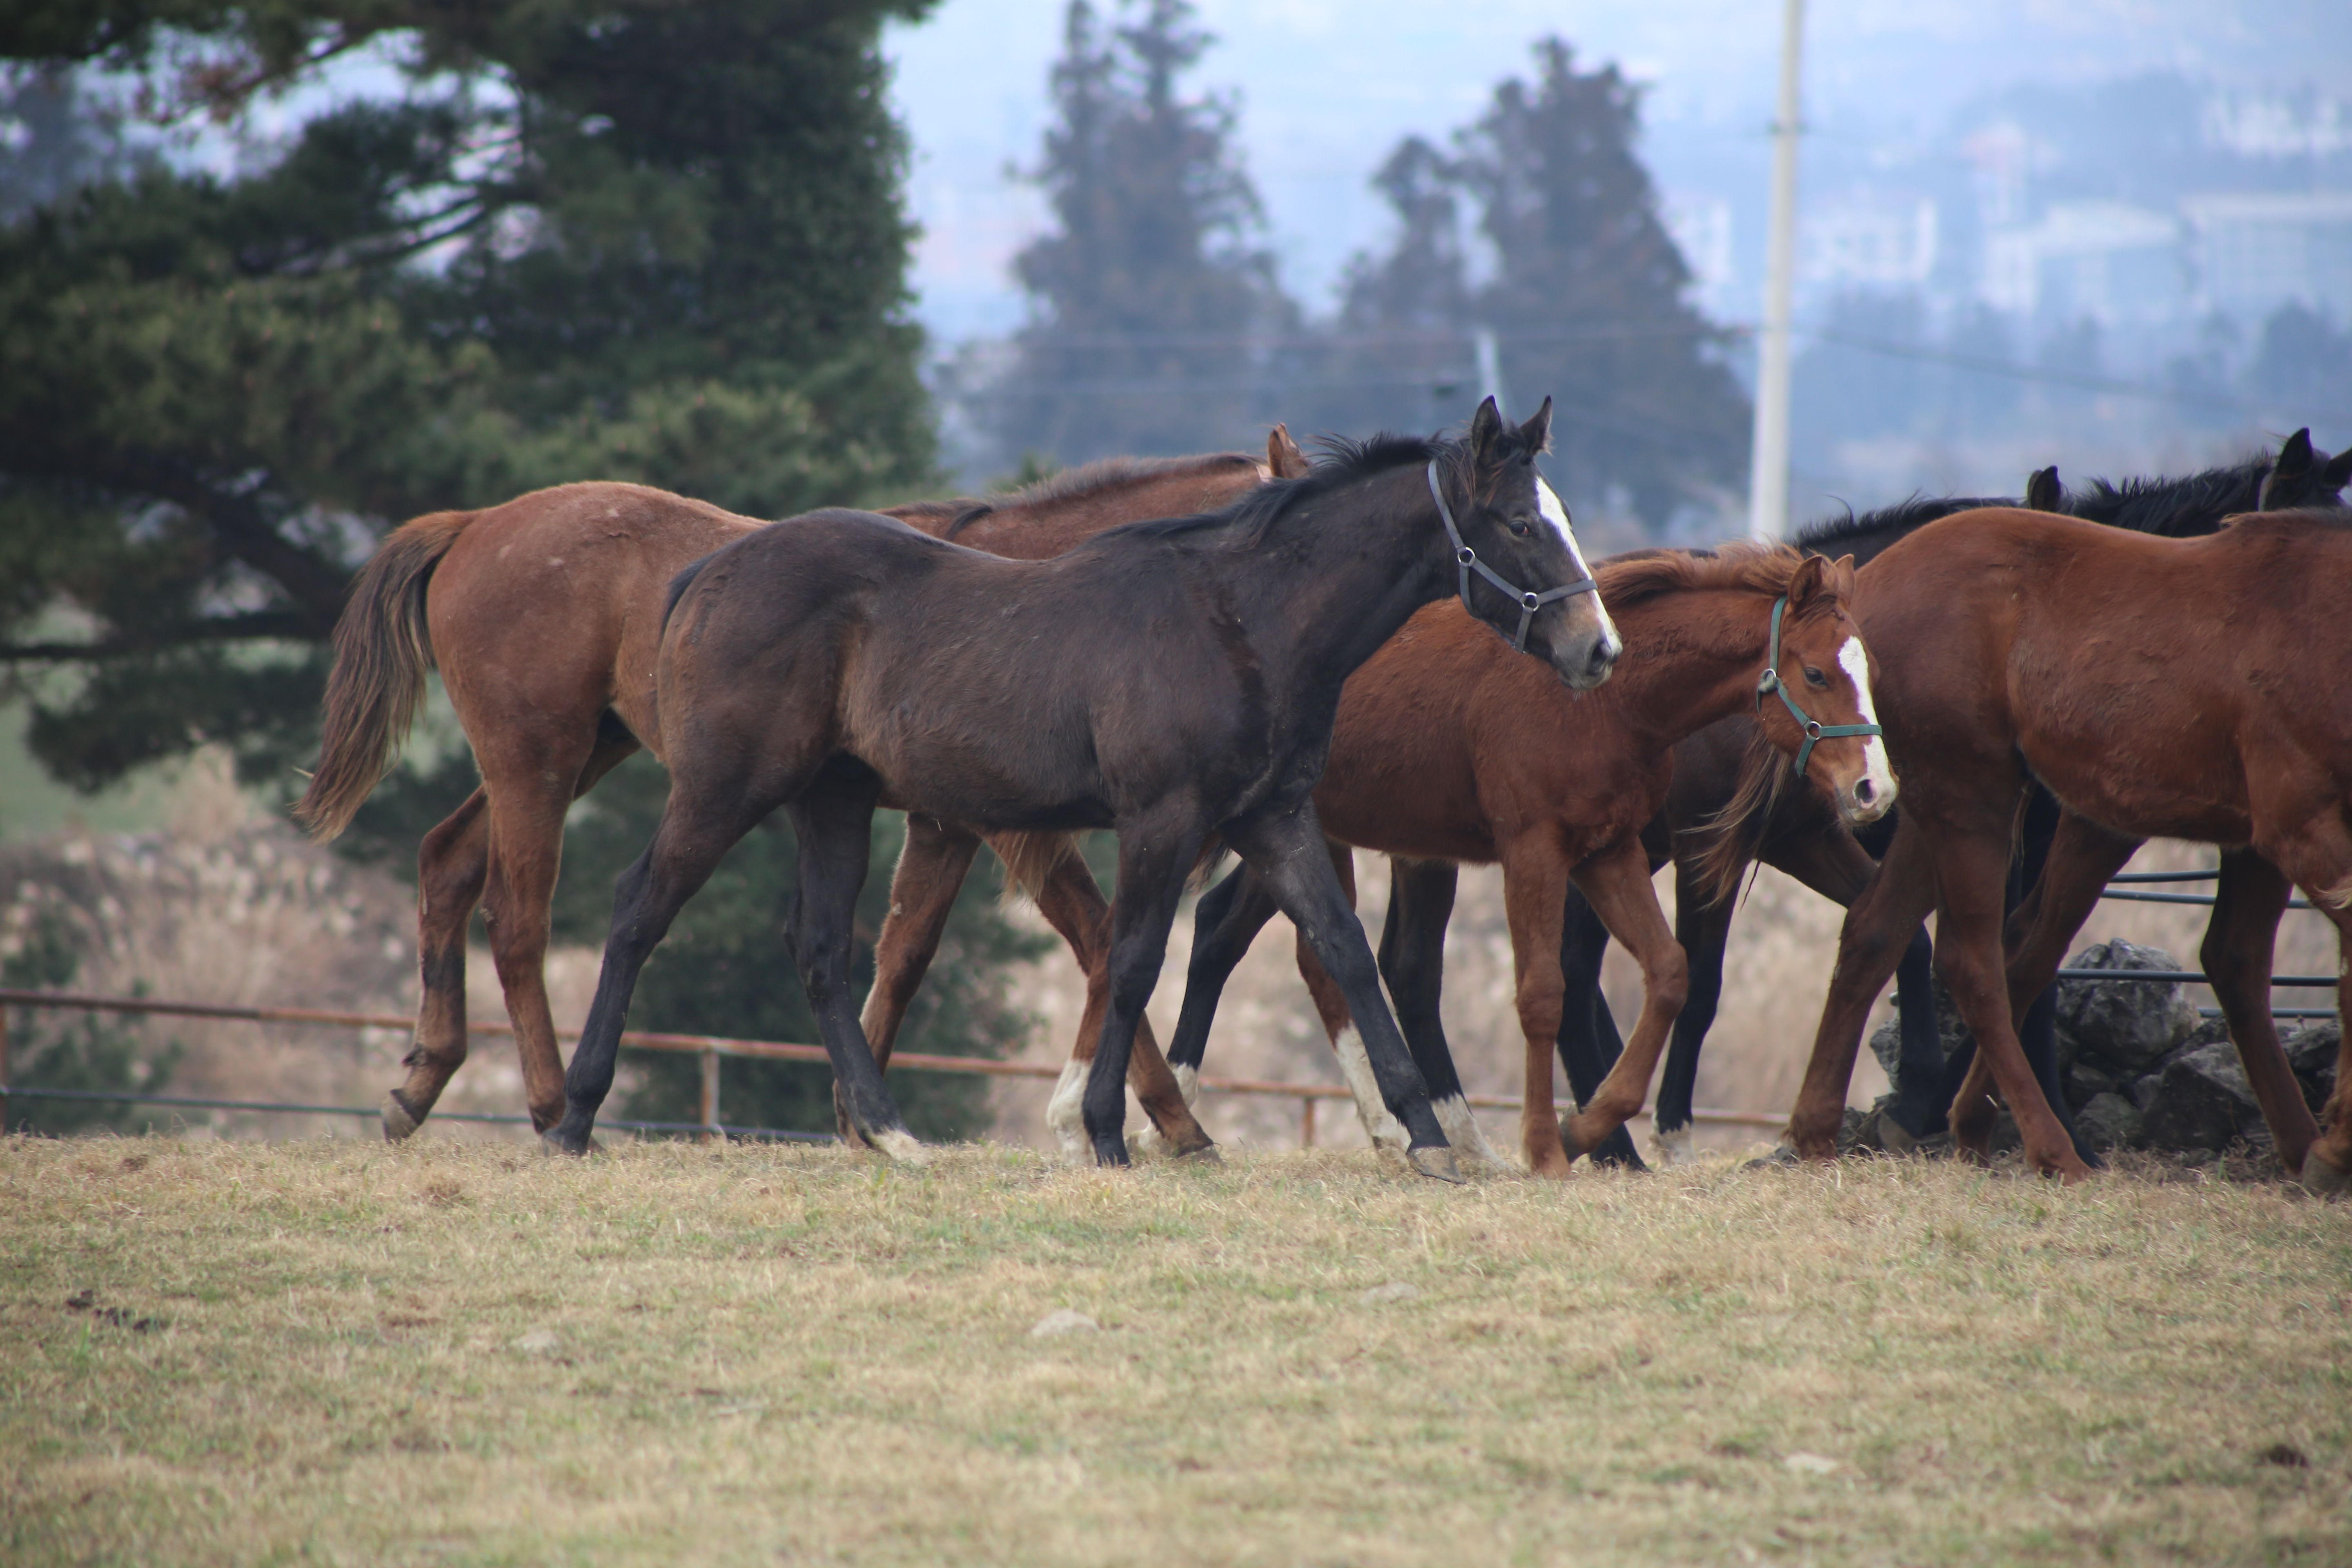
(1770, 684)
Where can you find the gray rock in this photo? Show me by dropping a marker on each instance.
(2201, 1100)
(2123, 1027)
(2312, 1051)
(2084, 1083)
(1949, 1031)
(2110, 1121)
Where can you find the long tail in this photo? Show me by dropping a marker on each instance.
(381, 652)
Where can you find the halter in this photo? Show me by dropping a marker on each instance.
(1465, 561)
(1770, 683)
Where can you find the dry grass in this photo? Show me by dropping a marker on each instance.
(455, 1353)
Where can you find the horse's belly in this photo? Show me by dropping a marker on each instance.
(2148, 784)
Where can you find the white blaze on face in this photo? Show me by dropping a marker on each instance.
(1547, 502)
(1855, 659)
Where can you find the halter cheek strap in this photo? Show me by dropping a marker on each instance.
(1465, 561)
(1770, 684)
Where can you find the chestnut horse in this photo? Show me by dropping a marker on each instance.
(2156, 688)
(1449, 750)
(543, 615)
(1799, 834)
(1171, 680)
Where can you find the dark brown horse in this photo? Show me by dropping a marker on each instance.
(2158, 688)
(1173, 681)
(1449, 750)
(544, 616)
(1799, 832)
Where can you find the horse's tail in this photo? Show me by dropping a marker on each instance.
(383, 649)
(1728, 839)
(1030, 858)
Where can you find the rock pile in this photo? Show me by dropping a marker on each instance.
(2141, 1070)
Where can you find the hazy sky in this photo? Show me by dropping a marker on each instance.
(1328, 88)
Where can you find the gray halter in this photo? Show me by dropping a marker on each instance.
(1465, 561)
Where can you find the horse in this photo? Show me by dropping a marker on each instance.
(1172, 680)
(2155, 687)
(1448, 750)
(1798, 832)
(543, 615)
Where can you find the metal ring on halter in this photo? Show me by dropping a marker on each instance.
(1771, 683)
(1465, 561)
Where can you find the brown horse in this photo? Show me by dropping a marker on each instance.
(543, 615)
(1173, 681)
(1449, 750)
(2158, 688)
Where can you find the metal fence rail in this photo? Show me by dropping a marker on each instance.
(2190, 976)
(709, 1048)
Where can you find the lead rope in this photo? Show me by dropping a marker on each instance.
(1465, 561)
(1770, 684)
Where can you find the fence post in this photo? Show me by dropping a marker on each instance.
(710, 1095)
(1307, 1121)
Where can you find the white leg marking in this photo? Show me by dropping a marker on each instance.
(1673, 1147)
(1188, 1084)
(899, 1146)
(1066, 1112)
(1547, 502)
(1855, 660)
(1461, 1130)
(1386, 1130)
(1149, 1141)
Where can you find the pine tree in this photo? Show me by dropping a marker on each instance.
(1147, 292)
(1587, 300)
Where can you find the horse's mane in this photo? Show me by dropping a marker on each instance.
(1640, 574)
(1093, 478)
(2330, 517)
(1343, 462)
(1871, 531)
(2172, 509)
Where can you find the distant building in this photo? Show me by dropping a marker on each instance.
(2113, 262)
(1880, 248)
(2256, 253)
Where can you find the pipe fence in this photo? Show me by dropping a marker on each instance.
(2191, 977)
(709, 1048)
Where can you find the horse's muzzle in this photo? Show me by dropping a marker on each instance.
(1589, 661)
(1866, 800)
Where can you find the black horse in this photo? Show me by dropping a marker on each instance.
(1799, 833)
(1173, 681)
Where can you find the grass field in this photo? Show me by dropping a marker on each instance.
(340, 1352)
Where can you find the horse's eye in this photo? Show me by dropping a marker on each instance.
(1815, 677)
(1520, 528)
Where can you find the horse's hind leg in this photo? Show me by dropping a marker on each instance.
(1339, 1023)
(2318, 859)
(1288, 850)
(1589, 1042)
(1226, 920)
(1412, 961)
(1074, 905)
(932, 864)
(833, 820)
(1153, 858)
(451, 865)
(1617, 881)
(2240, 944)
(1703, 927)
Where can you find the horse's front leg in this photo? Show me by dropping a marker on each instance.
(2241, 944)
(2318, 858)
(1617, 881)
(1155, 853)
(1412, 961)
(932, 864)
(1286, 848)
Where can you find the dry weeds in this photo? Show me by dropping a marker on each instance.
(465, 1353)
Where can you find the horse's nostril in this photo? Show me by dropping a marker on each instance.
(1865, 792)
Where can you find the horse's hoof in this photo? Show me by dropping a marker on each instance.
(1673, 1147)
(399, 1123)
(553, 1142)
(1886, 1133)
(1112, 1155)
(1436, 1163)
(1206, 1154)
(899, 1147)
(2324, 1177)
(1784, 1158)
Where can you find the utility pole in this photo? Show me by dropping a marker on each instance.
(1767, 474)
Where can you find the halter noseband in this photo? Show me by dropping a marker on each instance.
(1771, 683)
(1465, 561)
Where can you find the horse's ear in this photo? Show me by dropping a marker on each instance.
(2338, 471)
(1814, 580)
(1486, 427)
(2294, 455)
(1535, 434)
(2042, 492)
(1282, 457)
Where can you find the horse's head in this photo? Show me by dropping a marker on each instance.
(2303, 477)
(1515, 528)
(1817, 682)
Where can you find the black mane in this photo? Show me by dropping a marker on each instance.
(2173, 509)
(1343, 463)
(1863, 536)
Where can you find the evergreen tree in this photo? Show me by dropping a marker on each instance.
(624, 239)
(1586, 299)
(1147, 292)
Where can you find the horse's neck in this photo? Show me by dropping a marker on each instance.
(1691, 658)
(1321, 596)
